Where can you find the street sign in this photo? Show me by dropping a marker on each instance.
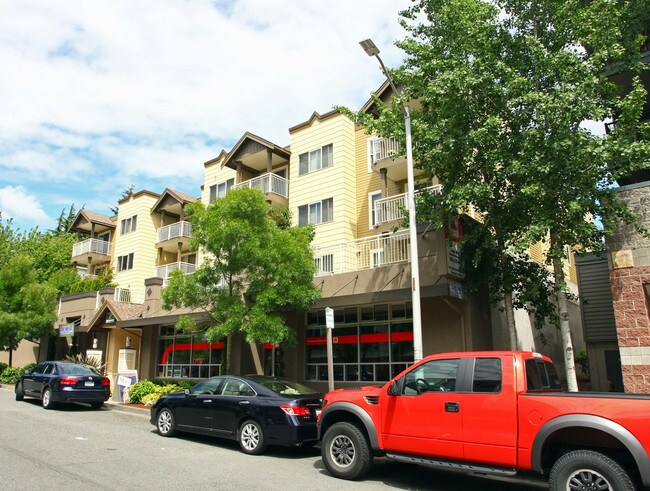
(329, 318)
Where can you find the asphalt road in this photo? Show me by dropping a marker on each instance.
(73, 448)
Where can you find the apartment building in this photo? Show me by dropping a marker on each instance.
(351, 187)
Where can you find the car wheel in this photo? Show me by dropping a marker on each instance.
(20, 393)
(48, 403)
(345, 451)
(585, 469)
(251, 438)
(97, 404)
(165, 422)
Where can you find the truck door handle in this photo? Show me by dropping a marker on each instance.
(452, 407)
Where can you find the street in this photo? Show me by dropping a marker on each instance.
(73, 447)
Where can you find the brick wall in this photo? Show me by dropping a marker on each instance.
(629, 274)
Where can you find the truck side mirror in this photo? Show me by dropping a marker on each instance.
(393, 389)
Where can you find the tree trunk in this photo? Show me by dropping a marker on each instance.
(565, 331)
(225, 365)
(509, 311)
(11, 353)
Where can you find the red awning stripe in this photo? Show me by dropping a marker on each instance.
(187, 347)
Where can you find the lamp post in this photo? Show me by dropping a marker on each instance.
(372, 50)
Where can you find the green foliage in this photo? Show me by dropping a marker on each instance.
(10, 375)
(90, 284)
(582, 360)
(161, 390)
(255, 272)
(184, 384)
(140, 389)
(3, 366)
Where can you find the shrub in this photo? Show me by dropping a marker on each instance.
(141, 389)
(2, 367)
(10, 375)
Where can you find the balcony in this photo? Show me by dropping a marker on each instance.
(91, 251)
(366, 253)
(129, 295)
(394, 208)
(274, 187)
(165, 270)
(169, 236)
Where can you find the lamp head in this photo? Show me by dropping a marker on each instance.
(369, 47)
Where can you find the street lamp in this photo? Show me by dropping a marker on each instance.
(372, 50)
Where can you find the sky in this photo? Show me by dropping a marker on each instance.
(98, 95)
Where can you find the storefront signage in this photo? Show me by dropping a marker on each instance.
(454, 266)
(457, 290)
(66, 330)
(329, 318)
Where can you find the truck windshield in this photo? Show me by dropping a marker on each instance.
(541, 375)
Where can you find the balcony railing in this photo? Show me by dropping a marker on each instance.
(394, 207)
(129, 295)
(174, 231)
(366, 253)
(268, 183)
(91, 246)
(165, 270)
(383, 148)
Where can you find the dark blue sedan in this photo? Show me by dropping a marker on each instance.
(63, 381)
(255, 410)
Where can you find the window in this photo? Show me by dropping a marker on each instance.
(125, 262)
(434, 376)
(374, 152)
(219, 190)
(373, 211)
(315, 213)
(128, 224)
(487, 375)
(541, 375)
(186, 355)
(315, 160)
(372, 343)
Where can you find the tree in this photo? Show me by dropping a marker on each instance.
(125, 194)
(254, 271)
(64, 221)
(27, 307)
(503, 88)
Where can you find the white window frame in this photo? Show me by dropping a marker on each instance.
(314, 160)
(325, 263)
(371, 154)
(128, 225)
(371, 209)
(312, 206)
(125, 262)
(215, 192)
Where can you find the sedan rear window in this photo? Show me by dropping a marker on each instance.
(73, 369)
(283, 386)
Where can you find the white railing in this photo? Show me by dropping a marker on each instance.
(93, 246)
(129, 295)
(175, 230)
(383, 148)
(268, 183)
(366, 253)
(395, 207)
(165, 270)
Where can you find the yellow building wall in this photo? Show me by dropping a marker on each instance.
(214, 174)
(141, 242)
(337, 181)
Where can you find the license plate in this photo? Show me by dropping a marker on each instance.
(89, 384)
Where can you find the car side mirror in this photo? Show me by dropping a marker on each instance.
(186, 392)
(393, 389)
(27, 372)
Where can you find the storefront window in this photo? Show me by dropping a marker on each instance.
(187, 356)
(370, 343)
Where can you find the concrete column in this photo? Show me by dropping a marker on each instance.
(383, 174)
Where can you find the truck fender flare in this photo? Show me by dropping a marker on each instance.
(363, 416)
(593, 422)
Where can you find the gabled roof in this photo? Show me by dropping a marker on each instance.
(182, 198)
(122, 311)
(251, 138)
(91, 217)
(314, 116)
(222, 155)
(384, 92)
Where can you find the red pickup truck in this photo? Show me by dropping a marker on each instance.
(490, 412)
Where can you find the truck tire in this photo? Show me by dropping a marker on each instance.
(586, 469)
(345, 451)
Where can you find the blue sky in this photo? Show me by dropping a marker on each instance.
(98, 95)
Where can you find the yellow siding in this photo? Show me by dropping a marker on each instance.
(214, 174)
(141, 242)
(337, 181)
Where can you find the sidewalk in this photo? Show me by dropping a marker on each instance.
(110, 404)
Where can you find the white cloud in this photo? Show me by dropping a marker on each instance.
(124, 91)
(16, 203)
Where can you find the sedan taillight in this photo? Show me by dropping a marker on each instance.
(295, 410)
(68, 381)
(106, 382)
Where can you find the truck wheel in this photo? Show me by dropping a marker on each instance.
(585, 469)
(345, 451)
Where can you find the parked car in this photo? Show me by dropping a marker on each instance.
(64, 381)
(255, 410)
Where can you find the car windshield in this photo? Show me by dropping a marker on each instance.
(74, 369)
(283, 386)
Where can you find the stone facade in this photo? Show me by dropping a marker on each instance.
(630, 281)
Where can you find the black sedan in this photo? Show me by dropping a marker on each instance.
(63, 381)
(255, 410)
